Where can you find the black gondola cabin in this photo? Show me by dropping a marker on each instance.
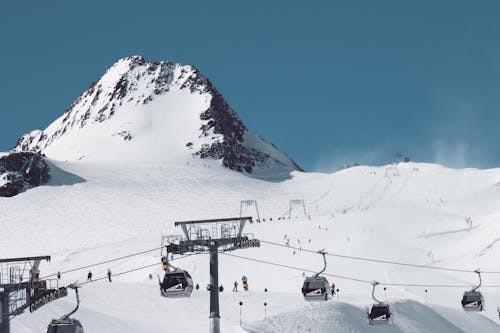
(379, 314)
(176, 284)
(316, 288)
(66, 325)
(472, 301)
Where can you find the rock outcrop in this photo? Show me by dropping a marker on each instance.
(20, 171)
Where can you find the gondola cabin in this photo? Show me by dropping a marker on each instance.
(472, 301)
(379, 314)
(65, 325)
(316, 288)
(176, 284)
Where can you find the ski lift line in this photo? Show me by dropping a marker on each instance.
(105, 262)
(434, 285)
(134, 270)
(381, 261)
(118, 274)
(354, 279)
(294, 268)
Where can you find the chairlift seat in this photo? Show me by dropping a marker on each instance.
(473, 301)
(176, 284)
(316, 288)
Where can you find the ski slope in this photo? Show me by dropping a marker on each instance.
(413, 213)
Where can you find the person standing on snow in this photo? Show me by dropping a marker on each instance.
(245, 282)
(89, 276)
(109, 275)
(235, 288)
(333, 289)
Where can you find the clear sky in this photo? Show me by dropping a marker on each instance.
(328, 82)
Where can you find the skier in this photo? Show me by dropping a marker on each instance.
(235, 288)
(89, 276)
(265, 290)
(333, 288)
(197, 286)
(59, 275)
(109, 275)
(221, 288)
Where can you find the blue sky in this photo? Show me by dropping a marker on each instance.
(328, 82)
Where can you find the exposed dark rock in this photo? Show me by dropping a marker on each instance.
(125, 135)
(221, 119)
(22, 170)
(120, 89)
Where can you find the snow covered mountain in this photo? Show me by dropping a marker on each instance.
(155, 112)
(132, 155)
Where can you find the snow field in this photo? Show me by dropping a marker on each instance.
(417, 216)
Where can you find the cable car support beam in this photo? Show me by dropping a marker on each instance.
(213, 236)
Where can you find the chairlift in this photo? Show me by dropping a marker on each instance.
(316, 287)
(380, 313)
(473, 299)
(176, 283)
(65, 324)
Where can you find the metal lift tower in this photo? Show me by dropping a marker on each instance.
(18, 277)
(249, 203)
(297, 203)
(213, 236)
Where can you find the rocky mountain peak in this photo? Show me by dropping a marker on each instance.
(155, 112)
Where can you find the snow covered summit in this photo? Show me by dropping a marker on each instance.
(155, 112)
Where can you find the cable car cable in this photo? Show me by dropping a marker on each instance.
(293, 267)
(104, 262)
(379, 260)
(134, 270)
(352, 278)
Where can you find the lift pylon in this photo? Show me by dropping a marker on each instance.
(250, 203)
(297, 203)
(20, 284)
(213, 236)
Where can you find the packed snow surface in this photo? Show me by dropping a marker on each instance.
(416, 213)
